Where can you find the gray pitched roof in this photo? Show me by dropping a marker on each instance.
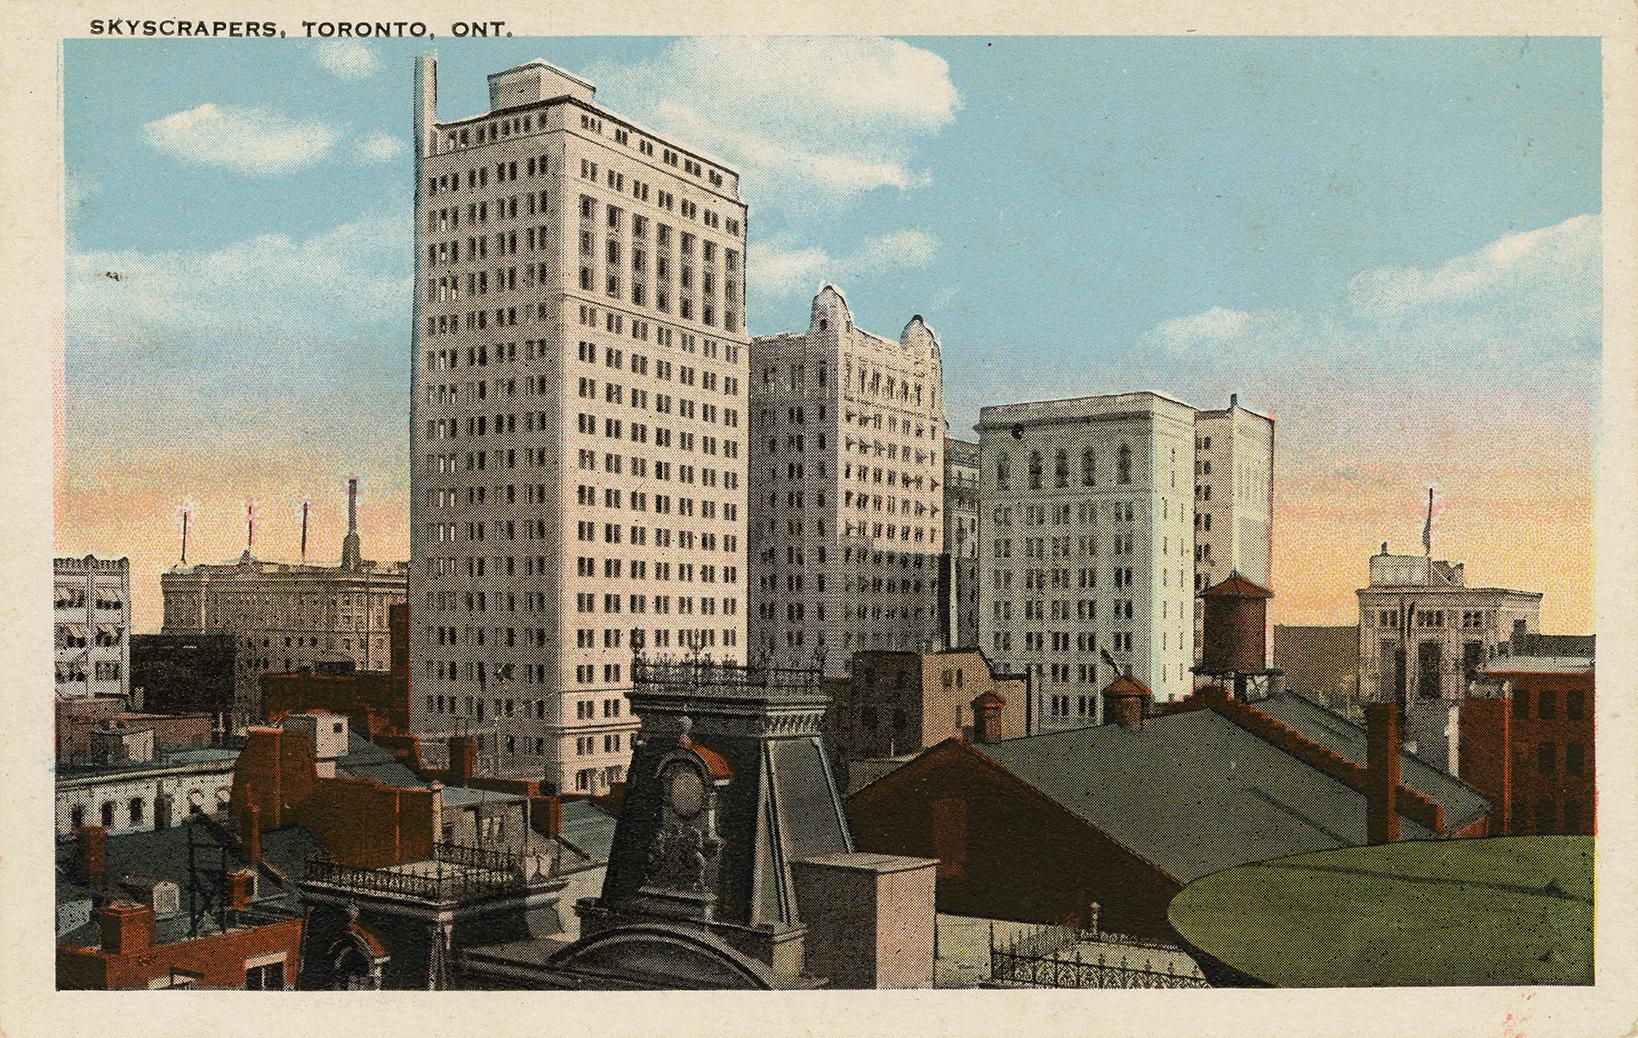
(364, 759)
(588, 827)
(1192, 793)
(1462, 803)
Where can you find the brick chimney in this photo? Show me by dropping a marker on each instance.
(240, 889)
(1126, 702)
(127, 928)
(987, 709)
(1381, 772)
(250, 832)
(463, 759)
(91, 856)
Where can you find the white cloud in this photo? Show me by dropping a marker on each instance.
(255, 299)
(253, 141)
(348, 60)
(796, 116)
(1565, 252)
(780, 270)
(380, 147)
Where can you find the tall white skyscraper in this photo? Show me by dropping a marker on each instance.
(847, 494)
(577, 437)
(1086, 544)
(1233, 500)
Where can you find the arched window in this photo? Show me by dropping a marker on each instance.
(1123, 465)
(1087, 476)
(76, 817)
(1003, 471)
(1035, 466)
(138, 810)
(1060, 469)
(107, 814)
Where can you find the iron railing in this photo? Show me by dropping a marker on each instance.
(1056, 971)
(459, 873)
(1053, 957)
(721, 677)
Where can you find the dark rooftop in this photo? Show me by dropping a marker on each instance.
(364, 759)
(1462, 803)
(1192, 793)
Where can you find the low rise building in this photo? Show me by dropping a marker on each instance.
(1529, 743)
(288, 616)
(1425, 636)
(91, 623)
(125, 784)
(185, 673)
(1105, 824)
(894, 703)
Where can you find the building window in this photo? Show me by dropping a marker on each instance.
(138, 810)
(1088, 471)
(1123, 464)
(1521, 704)
(108, 814)
(1003, 471)
(1060, 469)
(1574, 758)
(265, 976)
(1573, 705)
(1547, 704)
(1035, 470)
(1546, 815)
(1547, 758)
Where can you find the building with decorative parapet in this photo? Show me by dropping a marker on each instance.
(287, 616)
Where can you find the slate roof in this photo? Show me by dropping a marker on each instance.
(588, 827)
(364, 759)
(1462, 803)
(1191, 793)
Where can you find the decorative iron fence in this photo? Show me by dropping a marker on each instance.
(1056, 971)
(449, 882)
(656, 673)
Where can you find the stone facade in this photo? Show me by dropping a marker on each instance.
(1086, 542)
(961, 466)
(1233, 499)
(846, 498)
(577, 441)
(1447, 632)
(91, 627)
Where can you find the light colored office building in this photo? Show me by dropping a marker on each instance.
(286, 616)
(961, 464)
(1233, 500)
(847, 472)
(578, 397)
(91, 627)
(1425, 636)
(1086, 538)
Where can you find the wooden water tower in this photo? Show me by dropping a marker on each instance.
(1234, 644)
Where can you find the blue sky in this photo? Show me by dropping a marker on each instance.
(1371, 237)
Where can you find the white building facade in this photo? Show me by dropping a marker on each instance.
(578, 420)
(1233, 500)
(961, 466)
(847, 498)
(91, 627)
(1425, 637)
(1086, 544)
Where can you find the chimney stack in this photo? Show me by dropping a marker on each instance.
(241, 889)
(463, 759)
(987, 709)
(250, 832)
(91, 856)
(127, 928)
(1381, 772)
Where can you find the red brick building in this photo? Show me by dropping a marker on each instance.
(375, 703)
(131, 955)
(1121, 816)
(1529, 746)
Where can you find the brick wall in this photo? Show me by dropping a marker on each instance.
(217, 960)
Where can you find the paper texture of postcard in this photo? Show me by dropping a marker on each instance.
(1066, 521)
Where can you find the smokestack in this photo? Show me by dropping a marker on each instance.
(127, 928)
(1381, 772)
(351, 558)
(91, 856)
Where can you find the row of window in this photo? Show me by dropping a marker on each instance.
(1061, 468)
